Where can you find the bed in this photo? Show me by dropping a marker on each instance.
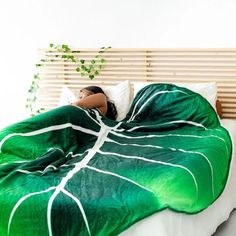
(184, 220)
(205, 223)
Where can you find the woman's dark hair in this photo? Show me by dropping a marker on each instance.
(111, 108)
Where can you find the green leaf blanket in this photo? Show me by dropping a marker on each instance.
(71, 171)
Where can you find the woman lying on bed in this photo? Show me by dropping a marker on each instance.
(94, 97)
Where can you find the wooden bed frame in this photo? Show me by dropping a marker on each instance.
(144, 65)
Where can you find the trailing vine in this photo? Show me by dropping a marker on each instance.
(85, 68)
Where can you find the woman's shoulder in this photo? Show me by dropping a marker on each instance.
(93, 101)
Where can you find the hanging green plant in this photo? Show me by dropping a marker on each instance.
(86, 68)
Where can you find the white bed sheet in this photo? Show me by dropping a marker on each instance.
(205, 223)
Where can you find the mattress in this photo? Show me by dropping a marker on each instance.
(205, 223)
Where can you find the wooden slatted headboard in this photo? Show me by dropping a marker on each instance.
(145, 64)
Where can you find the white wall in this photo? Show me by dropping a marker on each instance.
(30, 24)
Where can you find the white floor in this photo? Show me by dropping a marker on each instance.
(228, 228)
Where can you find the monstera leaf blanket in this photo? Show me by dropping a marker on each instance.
(71, 171)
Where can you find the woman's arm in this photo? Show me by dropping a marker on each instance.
(97, 100)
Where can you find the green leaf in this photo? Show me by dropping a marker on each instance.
(91, 67)
(82, 61)
(36, 76)
(83, 67)
(91, 77)
(93, 61)
(65, 47)
(71, 57)
(103, 60)
(77, 69)
(96, 72)
(51, 45)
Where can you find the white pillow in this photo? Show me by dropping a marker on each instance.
(66, 97)
(208, 90)
(119, 94)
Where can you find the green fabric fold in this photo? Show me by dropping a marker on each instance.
(71, 171)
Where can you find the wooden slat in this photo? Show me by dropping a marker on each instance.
(144, 64)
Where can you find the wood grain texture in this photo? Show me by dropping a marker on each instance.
(144, 65)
